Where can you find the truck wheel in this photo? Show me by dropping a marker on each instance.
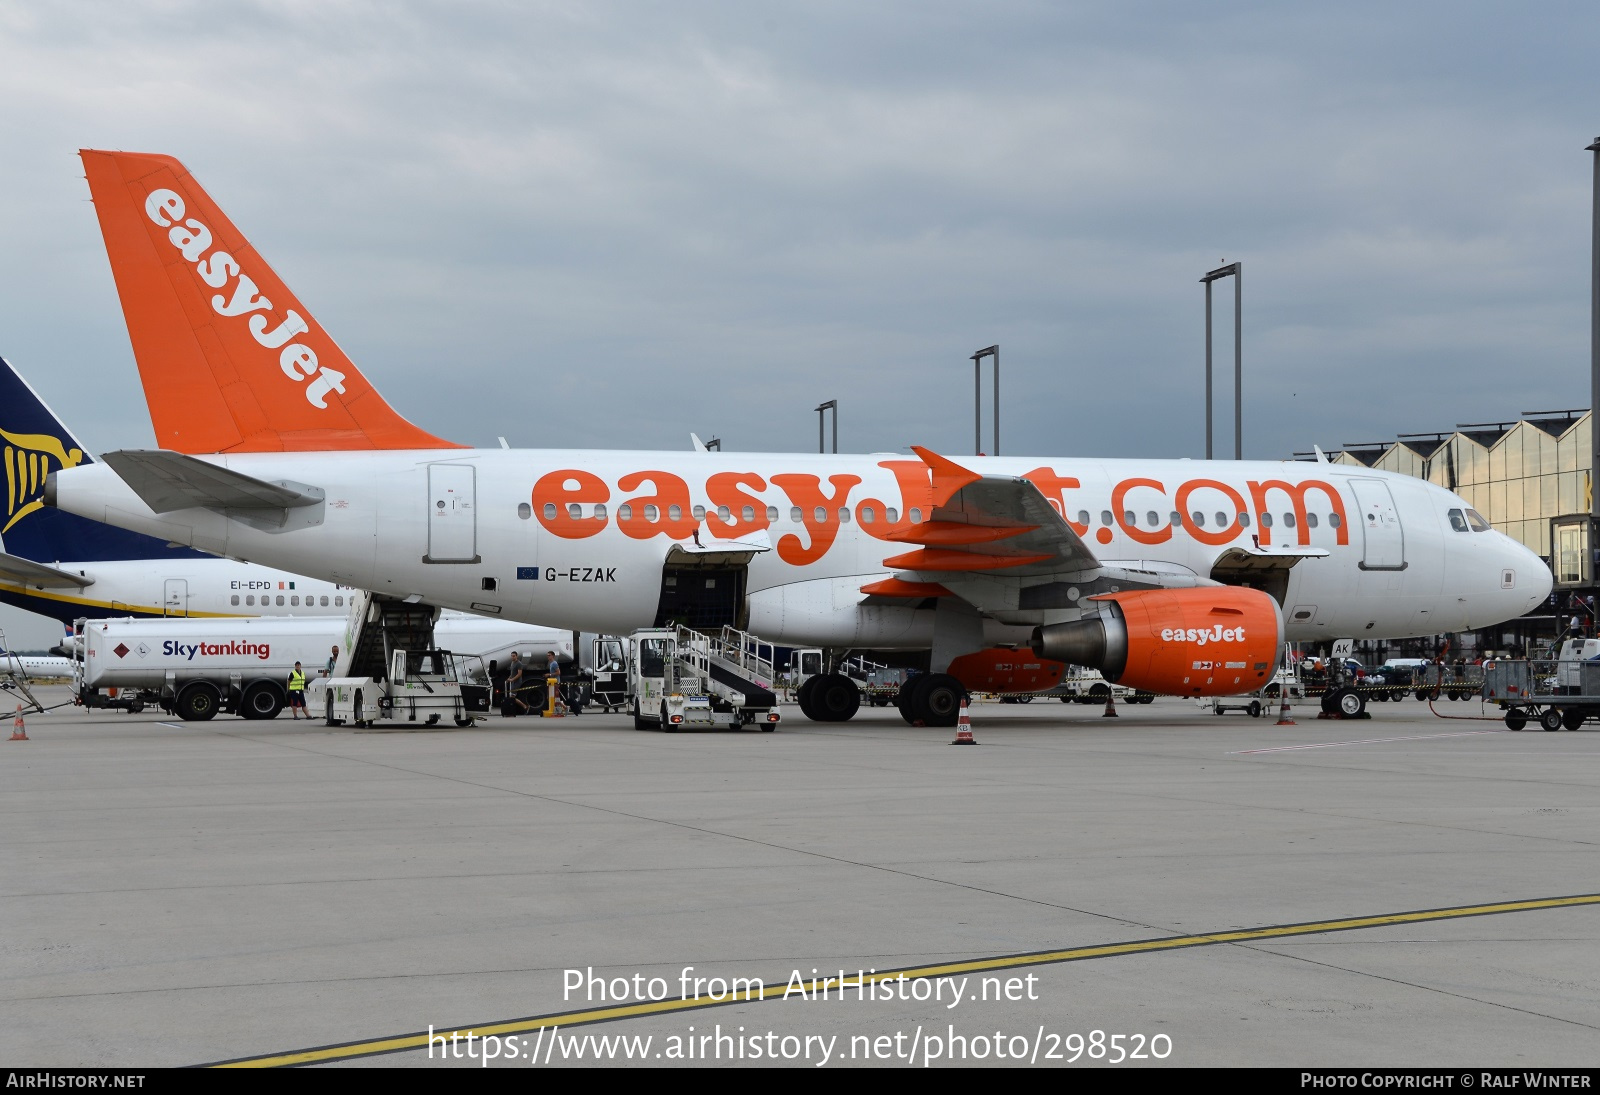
(835, 699)
(666, 723)
(198, 702)
(1550, 719)
(261, 700)
(640, 723)
(138, 705)
(356, 714)
(1572, 718)
(328, 719)
(1254, 709)
(1516, 719)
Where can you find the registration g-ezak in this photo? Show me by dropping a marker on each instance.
(276, 449)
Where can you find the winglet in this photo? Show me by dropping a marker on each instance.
(231, 360)
(948, 476)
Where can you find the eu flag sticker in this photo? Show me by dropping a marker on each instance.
(527, 574)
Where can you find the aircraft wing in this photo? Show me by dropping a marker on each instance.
(31, 573)
(167, 481)
(986, 525)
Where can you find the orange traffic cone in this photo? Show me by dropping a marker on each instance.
(19, 729)
(1111, 706)
(964, 727)
(1283, 709)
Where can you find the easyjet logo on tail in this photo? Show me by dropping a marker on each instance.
(193, 239)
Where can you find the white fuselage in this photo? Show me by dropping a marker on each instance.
(182, 587)
(443, 524)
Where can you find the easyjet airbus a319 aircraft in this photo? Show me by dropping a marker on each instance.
(1179, 577)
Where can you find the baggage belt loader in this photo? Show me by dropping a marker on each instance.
(679, 678)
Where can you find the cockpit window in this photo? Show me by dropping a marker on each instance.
(1458, 520)
(1478, 523)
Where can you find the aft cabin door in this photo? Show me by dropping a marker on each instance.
(452, 514)
(1384, 546)
(175, 597)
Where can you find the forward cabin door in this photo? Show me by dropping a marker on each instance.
(452, 514)
(1384, 546)
(175, 597)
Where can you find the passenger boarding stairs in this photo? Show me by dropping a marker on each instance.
(733, 666)
(378, 626)
(11, 670)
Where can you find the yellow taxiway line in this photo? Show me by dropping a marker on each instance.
(402, 1042)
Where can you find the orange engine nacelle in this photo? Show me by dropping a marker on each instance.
(1000, 670)
(1204, 641)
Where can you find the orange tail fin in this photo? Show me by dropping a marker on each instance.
(231, 360)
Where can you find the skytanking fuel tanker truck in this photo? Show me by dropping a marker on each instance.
(195, 668)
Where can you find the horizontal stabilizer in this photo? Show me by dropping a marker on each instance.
(167, 481)
(31, 573)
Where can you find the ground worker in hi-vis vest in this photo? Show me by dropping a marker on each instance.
(297, 691)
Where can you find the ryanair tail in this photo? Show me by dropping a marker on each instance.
(34, 443)
(231, 360)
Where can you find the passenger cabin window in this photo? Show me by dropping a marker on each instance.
(844, 514)
(748, 513)
(574, 510)
(1083, 517)
(1222, 520)
(338, 602)
(600, 510)
(867, 515)
(324, 601)
(794, 515)
(724, 513)
(1475, 519)
(235, 598)
(524, 510)
(624, 512)
(1334, 520)
(699, 513)
(1177, 519)
(772, 515)
(549, 511)
(652, 513)
(250, 599)
(1198, 518)
(280, 600)
(1244, 520)
(1155, 518)
(674, 513)
(1130, 518)
(1266, 520)
(916, 516)
(1311, 520)
(819, 514)
(1105, 518)
(1288, 520)
(295, 601)
(891, 515)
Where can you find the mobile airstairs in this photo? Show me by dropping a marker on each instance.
(681, 678)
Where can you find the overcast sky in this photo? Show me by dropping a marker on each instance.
(606, 225)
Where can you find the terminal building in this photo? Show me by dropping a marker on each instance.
(1530, 477)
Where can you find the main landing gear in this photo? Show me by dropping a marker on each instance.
(933, 699)
(830, 697)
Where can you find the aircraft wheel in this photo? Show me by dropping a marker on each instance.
(906, 700)
(803, 695)
(835, 699)
(198, 702)
(1572, 718)
(1550, 719)
(1515, 719)
(1350, 703)
(938, 701)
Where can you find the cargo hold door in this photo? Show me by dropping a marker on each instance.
(452, 514)
(1384, 543)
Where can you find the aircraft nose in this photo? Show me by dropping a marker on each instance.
(1526, 574)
